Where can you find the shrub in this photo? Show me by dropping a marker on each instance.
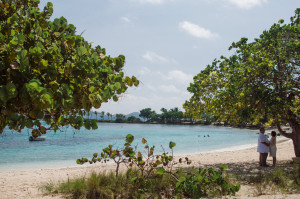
(205, 182)
(151, 175)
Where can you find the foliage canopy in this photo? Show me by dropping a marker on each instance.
(49, 73)
(260, 83)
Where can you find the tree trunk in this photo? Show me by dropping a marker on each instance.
(296, 140)
(295, 136)
(2, 122)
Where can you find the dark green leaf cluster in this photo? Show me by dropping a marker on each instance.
(48, 72)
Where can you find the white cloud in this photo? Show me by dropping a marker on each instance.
(131, 103)
(197, 31)
(169, 89)
(144, 71)
(180, 76)
(152, 88)
(153, 57)
(126, 19)
(247, 4)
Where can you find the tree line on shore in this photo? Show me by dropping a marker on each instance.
(147, 115)
(171, 116)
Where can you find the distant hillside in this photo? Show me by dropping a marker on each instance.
(99, 116)
(135, 114)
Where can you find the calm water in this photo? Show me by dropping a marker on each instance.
(61, 149)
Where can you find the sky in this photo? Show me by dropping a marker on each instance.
(167, 42)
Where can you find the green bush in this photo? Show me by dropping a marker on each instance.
(151, 175)
(205, 182)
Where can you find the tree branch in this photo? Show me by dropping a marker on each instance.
(294, 63)
(287, 135)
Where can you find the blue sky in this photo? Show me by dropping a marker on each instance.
(167, 42)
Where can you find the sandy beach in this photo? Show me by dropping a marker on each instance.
(27, 184)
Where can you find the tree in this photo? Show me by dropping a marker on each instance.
(163, 114)
(96, 113)
(108, 115)
(120, 117)
(102, 115)
(176, 115)
(49, 73)
(155, 117)
(260, 83)
(146, 113)
(133, 119)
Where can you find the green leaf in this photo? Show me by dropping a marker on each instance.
(129, 138)
(117, 85)
(44, 62)
(71, 41)
(115, 98)
(223, 167)
(136, 83)
(78, 161)
(94, 124)
(133, 179)
(81, 51)
(160, 171)
(46, 98)
(172, 144)
(28, 123)
(11, 90)
(91, 89)
(21, 38)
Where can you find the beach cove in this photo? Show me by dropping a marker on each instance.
(61, 149)
(27, 184)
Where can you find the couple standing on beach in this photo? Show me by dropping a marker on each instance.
(266, 146)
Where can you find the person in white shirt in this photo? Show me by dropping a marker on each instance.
(263, 147)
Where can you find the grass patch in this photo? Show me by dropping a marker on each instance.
(278, 181)
(132, 184)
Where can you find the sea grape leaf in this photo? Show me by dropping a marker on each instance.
(172, 145)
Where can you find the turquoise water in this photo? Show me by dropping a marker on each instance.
(61, 149)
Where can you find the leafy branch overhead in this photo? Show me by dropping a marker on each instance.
(48, 72)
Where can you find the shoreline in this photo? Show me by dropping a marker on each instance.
(27, 184)
(66, 164)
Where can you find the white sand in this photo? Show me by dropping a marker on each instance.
(26, 184)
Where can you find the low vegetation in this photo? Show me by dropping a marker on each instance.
(155, 176)
(192, 183)
(108, 185)
(279, 181)
(147, 176)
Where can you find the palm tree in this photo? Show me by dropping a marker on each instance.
(102, 114)
(96, 113)
(108, 114)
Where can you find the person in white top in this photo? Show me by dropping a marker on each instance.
(273, 147)
(263, 147)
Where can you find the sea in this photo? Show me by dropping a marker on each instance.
(63, 148)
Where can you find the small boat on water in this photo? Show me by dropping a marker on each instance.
(40, 138)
